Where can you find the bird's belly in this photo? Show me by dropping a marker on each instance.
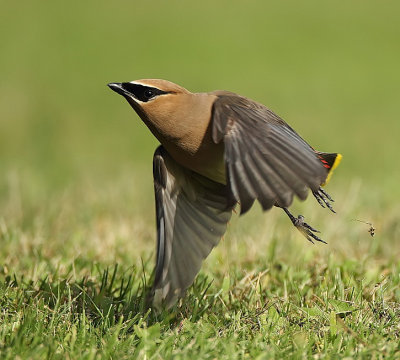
(216, 172)
(207, 161)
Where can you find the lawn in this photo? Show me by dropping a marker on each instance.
(77, 223)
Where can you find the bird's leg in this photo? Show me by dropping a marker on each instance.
(303, 227)
(323, 198)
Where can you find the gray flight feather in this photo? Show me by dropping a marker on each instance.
(192, 215)
(266, 160)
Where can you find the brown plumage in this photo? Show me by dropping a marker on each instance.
(218, 149)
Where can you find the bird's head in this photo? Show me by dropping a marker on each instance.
(150, 97)
(169, 110)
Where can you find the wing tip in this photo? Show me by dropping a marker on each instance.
(164, 297)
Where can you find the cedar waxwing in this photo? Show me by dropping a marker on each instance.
(217, 149)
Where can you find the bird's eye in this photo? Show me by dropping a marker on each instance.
(148, 93)
(141, 93)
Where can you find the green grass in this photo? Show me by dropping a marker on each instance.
(74, 281)
(77, 229)
(321, 309)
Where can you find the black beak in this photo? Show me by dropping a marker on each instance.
(117, 87)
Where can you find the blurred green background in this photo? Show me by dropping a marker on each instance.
(76, 187)
(331, 69)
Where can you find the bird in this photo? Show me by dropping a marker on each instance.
(218, 149)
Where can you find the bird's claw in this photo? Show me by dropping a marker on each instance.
(324, 199)
(307, 230)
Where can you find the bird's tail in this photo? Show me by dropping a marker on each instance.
(330, 162)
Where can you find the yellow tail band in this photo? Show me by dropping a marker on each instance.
(334, 166)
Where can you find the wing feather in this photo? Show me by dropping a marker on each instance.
(266, 160)
(192, 214)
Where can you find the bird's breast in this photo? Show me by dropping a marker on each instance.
(183, 126)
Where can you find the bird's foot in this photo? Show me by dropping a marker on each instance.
(324, 199)
(307, 230)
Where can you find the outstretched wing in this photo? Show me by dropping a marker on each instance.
(192, 215)
(265, 158)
